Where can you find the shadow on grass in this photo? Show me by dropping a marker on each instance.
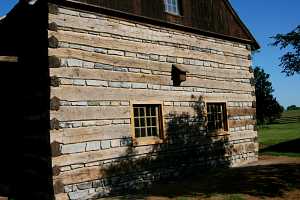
(259, 181)
(292, 146)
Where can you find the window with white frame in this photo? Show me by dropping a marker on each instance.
(147, 120)
(172, 6)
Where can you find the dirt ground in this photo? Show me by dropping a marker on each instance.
(269, 160)
(271, 178)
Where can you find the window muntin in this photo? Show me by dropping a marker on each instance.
(171, 6)
(217, 117)
(147, 120)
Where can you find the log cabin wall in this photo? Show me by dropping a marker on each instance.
(100, 65)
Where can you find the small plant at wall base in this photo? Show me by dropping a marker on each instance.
(267, 107)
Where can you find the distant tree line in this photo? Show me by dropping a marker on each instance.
(292, 107)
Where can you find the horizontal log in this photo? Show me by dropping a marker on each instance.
(90, 113)
(107, 112)
(79, 175)
(85, 134)
(240, 123)
(241, 111)
(62, 196)
(94, 74)
(97, 74)
(110, 59)
(78, 93)
(147, 48)
(12, 59)
(87, 157)
(242, 135)
(105, 26)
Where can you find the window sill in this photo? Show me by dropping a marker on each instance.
(147, 141)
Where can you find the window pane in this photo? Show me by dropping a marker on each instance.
(136, 122)
(136, 112)
(142, 121)
(148, 109)
(149, 132)
(148, 121)
(142, 113)
(143, 132)
(153, 121)
(153, 111)
(173, 8)
(154, 131)
(137, 132)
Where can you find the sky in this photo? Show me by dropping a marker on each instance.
(6, 6)
(264, 18)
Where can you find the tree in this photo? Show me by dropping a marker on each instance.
(267, 107)
(293, 107)
(290, 62)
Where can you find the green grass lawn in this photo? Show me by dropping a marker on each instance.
(285, 133)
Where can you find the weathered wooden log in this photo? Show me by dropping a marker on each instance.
(251, 69)
(54, 124)
(79, 93)
(252, 81)
(93, 133)
(53, 26)
(55, 103)
(56, 170)
(8, 59)
(241, 111)
(241, 123)
(58, 187)
(52, 8)
(55, 149)
(54, 62)
(91, 113)
(54, 81)
(53, 42)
